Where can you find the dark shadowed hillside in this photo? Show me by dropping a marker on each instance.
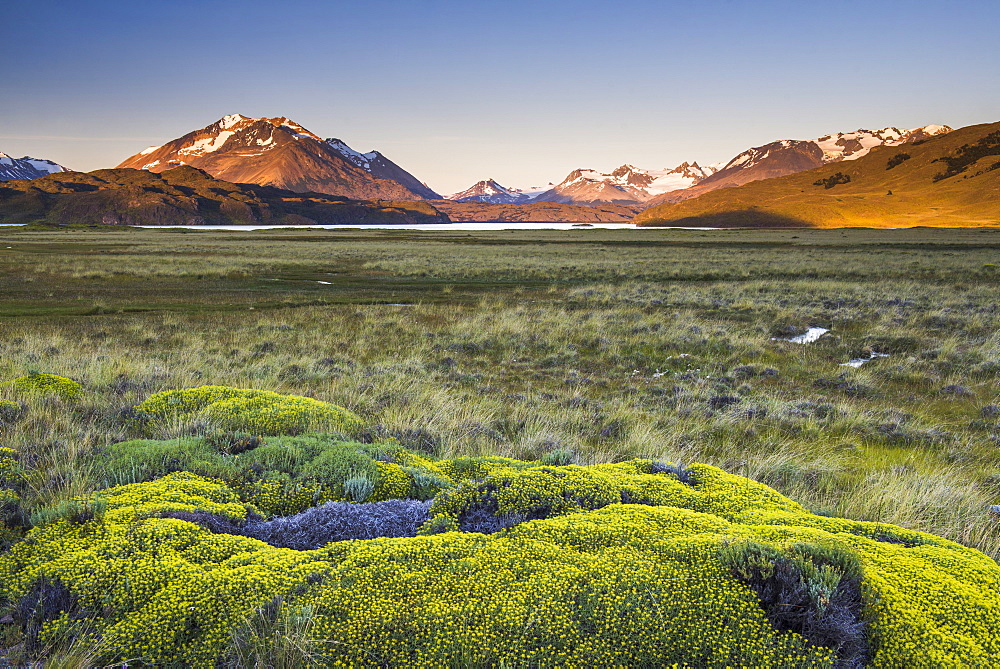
(188, 196)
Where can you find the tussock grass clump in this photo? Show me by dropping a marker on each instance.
(13, 482)
(810, 589)
(11, 411)
(260, 412)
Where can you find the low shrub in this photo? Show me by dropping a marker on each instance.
(558, 457)
(48, 385)
(507, 497)
(341, 521)
(358, 488)
(258, 412)
(287, 475)
(811, 589)
(833, 180)
(233, 443)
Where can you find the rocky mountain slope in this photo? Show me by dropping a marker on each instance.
(791, 156)
(949, 179)
(281, 153)
(188, 196)
(626, 186)
(26, 167)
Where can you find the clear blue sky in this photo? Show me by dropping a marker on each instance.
(519, 91)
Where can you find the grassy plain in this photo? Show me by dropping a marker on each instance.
(612, 344)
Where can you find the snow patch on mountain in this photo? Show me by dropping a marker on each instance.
(362, 160)
(840, 146)
(853, 145)
(208, 144)
(627, 184)
(232, 120)
(26, 167)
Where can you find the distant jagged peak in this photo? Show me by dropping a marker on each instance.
(232, 120)
(625, 184)
(488, 190)
(27, 167)
(853, 145)
(236, 122)
(838, 146)
(362, 160)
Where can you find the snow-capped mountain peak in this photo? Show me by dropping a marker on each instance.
(627, 184)
(837, 147)
(492, 192)
(280, 152)
(26, 167)
(216, 136)
(853, 145)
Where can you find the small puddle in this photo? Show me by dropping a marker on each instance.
(325, 283)
(808, 337)
(857, 362)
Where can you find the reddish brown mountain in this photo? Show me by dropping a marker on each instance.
(281, 153)
(789, 156)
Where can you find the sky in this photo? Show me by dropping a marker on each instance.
(522, 92)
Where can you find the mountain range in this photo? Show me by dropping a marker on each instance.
(790, 156)
(26, 168)
(939, 179)
(831, 180)
(281, 153)
(631, 186)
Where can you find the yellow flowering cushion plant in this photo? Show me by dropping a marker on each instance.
(48, 385)
(260, 412)
(628, 564)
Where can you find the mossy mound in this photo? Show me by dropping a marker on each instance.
(50, 385)
(261, 412)
(693, 572)
(289, 474)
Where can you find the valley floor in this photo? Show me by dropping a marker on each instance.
(609, 344)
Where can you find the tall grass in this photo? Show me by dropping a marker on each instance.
(607, 345)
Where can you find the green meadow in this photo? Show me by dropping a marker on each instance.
(588, 347)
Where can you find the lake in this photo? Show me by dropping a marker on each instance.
(430, 226)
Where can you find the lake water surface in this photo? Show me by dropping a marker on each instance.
(450, 227)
